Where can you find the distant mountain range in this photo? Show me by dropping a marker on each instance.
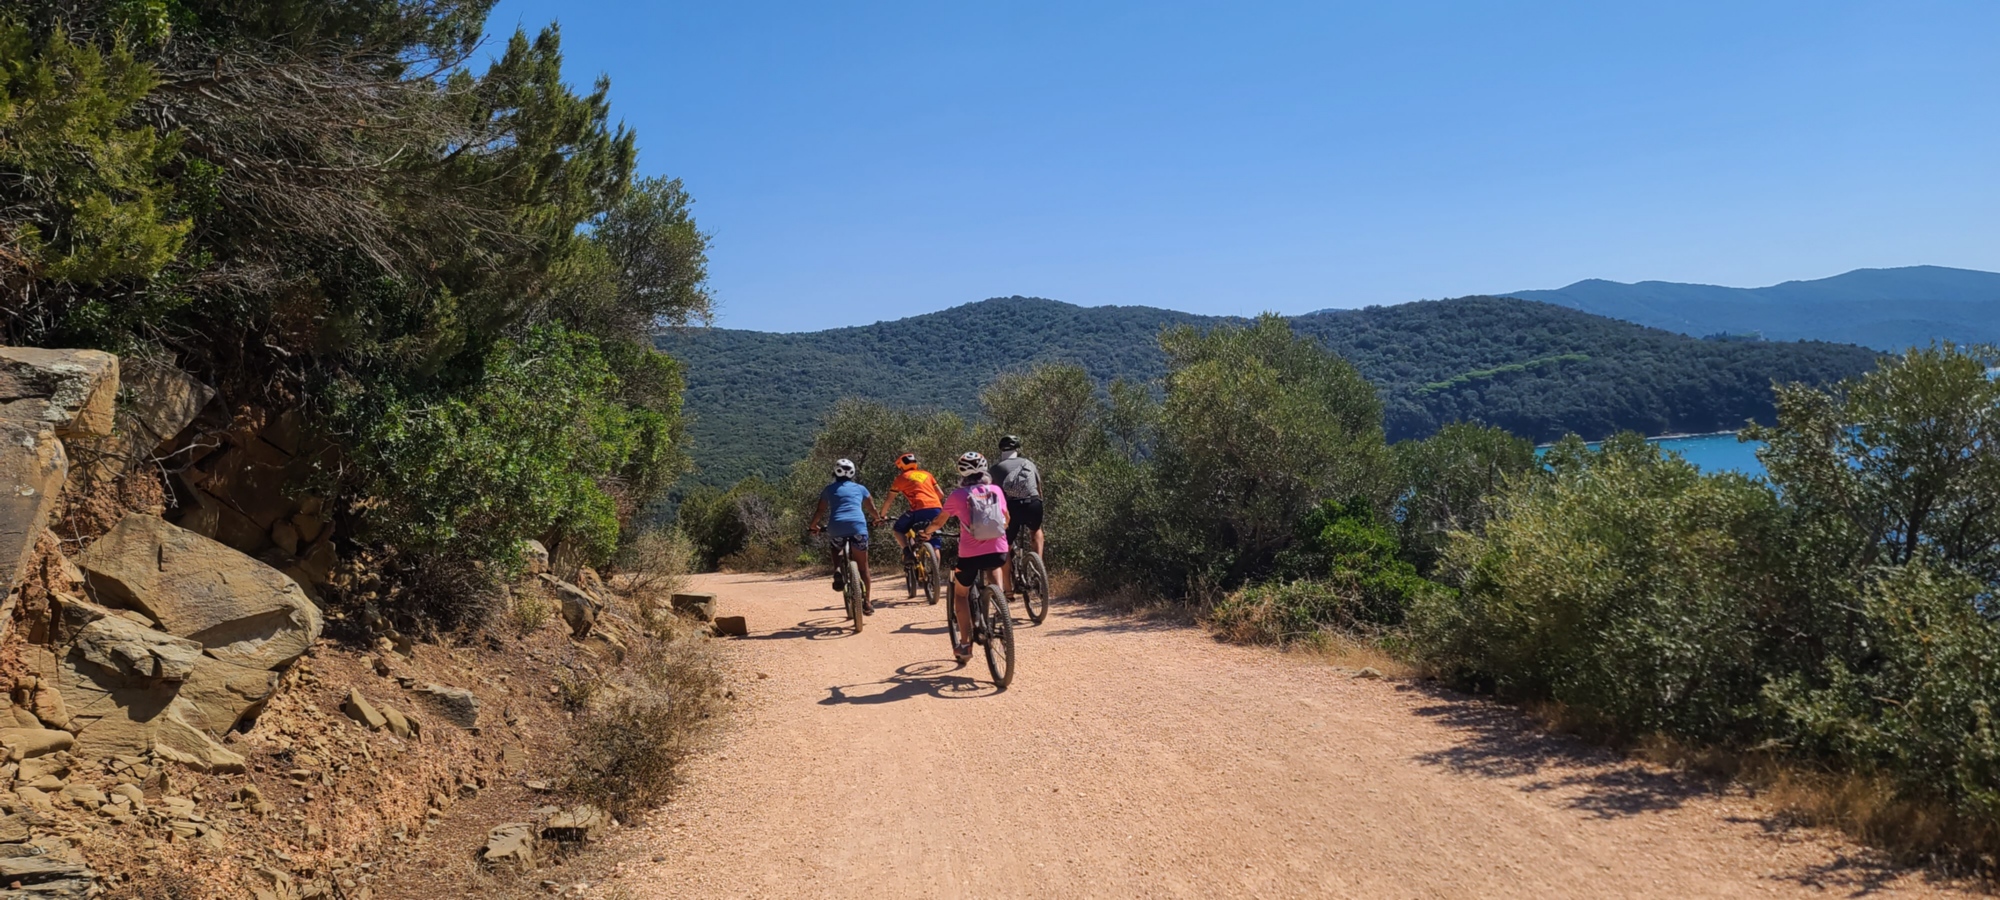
(1537, 369)
(1887, 309)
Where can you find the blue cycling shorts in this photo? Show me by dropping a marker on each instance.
(917, 517)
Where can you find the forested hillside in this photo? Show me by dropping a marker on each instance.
(1888, 309)
(1536, 369)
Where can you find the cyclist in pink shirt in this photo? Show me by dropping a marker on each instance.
(981, 510)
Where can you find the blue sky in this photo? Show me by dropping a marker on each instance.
(860, 161)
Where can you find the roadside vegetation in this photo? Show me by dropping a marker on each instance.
(444, 267)
(1829, 631)
(432, 257)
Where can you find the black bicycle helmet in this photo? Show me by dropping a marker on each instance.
(1009, 443)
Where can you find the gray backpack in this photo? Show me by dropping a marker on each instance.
(986, 513)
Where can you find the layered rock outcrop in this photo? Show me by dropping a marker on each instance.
(46, 396)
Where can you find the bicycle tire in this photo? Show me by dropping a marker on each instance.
(1034, 587)
(933, 584)
(999, 638)
(854, 595)
(951, 627)
(910, 580)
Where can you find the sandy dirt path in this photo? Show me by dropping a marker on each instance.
(1136, 759)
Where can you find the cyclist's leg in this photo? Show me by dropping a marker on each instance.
(1007, 567)
(859, 553)
(833, 558)
(961, 601)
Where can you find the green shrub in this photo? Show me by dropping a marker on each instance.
(752, 516)
(530, 451)
(1920, 706)
(1629, 587)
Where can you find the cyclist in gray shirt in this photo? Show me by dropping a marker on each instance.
(1021, 481)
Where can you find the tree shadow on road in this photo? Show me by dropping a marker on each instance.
(1501, 742)
(941, 678)
(1073, 617)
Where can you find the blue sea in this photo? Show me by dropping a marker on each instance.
(1715, 452)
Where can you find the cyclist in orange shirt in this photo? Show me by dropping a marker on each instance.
(919, 490)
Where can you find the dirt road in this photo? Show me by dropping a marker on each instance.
(1133, 759)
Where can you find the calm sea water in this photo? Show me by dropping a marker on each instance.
(1715, 452)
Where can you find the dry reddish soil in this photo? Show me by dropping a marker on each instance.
(1134, 758)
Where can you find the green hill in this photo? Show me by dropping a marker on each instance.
(1536, 369)
(1888, 309)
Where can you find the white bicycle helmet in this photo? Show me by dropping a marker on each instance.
(971, 462)
(843, 469)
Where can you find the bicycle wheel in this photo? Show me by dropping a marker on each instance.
(933, 578)
(951, 626)
(854, 595)
(910, 580)
(999, 638)
(1032, 579)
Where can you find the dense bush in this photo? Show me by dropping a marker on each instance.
(526, 452)
(752, 517)
(1628, 586)
(1445, 483)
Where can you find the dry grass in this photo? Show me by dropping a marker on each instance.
(1347, 650)
(1870, 809)
(657, 562)
(639, 727)
(529, 612)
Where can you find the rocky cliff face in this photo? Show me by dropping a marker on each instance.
(146, 650)
(172, 722)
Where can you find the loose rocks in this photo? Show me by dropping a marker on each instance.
(360, 710)
(458, 705)
(700, 606)
(512, 844)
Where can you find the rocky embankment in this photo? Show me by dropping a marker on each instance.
(174, 720)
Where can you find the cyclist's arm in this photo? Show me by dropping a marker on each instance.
(819, 513)
(889, 505)
(873, 512)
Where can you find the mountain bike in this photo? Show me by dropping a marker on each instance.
(855, 592)
(992, 628)
(920, 567)
(1031, 581)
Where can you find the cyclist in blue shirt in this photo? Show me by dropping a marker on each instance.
(846, 507)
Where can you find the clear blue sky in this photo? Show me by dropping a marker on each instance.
(859, 161)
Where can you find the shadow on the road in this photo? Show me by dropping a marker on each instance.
(1081, 617)
(821, 629)
(934, 627)
(940, 678)
(1856, 875)
(1500, 742)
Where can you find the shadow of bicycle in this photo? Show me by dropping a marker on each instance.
(939, 678)
(821, 629)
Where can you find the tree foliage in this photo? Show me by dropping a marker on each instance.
(333, 208)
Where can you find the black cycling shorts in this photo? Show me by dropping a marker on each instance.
(971, 567)
(1024, 514)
